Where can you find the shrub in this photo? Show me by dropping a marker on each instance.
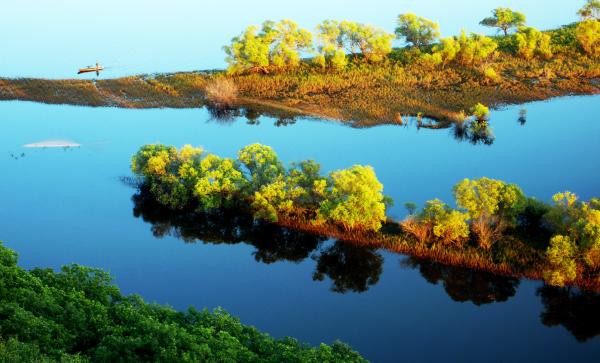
(480, 112)
(449, 225)
(588, 36)
(493, 205)
(354, 199)
(221, 93)
(561, 260)
(531, 42)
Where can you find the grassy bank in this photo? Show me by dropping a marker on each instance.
(361, 94)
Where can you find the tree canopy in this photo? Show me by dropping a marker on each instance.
(277, 44)
(78, 315)
(531, 42)
(588, 35)
(189, 179)
(417, 30)
(504, 19)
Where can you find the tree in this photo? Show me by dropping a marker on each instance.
(504, 19)
(474, 48)
(480, 111)
(331, 49)
(373, 43)
(354, 199)
(588, 35)
(590, 11)
(248, 52)
(219, 183)
(492, 205)
(531, 42)
(76, 314)
(446, 50)
(561, 260)
(262, 164)
(287, 42)
(276, 45)
(417, 30)
(464, 49)
(449, 225)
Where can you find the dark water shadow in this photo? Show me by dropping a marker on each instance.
(575, 310)
(350, 268)
(464, 284)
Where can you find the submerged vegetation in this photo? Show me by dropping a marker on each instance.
(351, 71)
(495, 227)
(77, 315)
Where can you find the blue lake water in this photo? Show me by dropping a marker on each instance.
(60, 206)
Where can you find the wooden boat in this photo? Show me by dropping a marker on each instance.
(90, 69)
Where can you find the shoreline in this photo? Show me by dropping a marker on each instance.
(361, 97)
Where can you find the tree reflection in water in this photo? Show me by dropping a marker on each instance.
(463, 284)
(351, 268)
(578, 311)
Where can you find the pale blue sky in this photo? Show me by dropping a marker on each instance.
(46, 38)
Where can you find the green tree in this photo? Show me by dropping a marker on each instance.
(448, 225)
(354, 199)
(493, 205)
(588, 35)
(288, 41)
(373, 43)
(331, 48)
(219, 183)
(590, 11)
(580, 221)
(474, 48)
(531, 42)
(248, 52)
(447, 50)
(78, 315)
(278, 44)
(561, 261)
(417, 30)
(504, 19)
(170, 174)
(262, 165)
(480, 111)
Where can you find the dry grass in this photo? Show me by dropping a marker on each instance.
(221, 93)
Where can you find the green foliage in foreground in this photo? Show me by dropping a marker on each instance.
(77, 315)
(189, 178)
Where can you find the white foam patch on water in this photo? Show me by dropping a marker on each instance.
(52, 143)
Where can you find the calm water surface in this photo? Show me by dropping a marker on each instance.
(59, 206)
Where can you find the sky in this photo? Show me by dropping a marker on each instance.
(52, 39)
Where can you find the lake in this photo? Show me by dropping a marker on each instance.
(65, 205)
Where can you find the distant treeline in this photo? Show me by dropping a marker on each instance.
(280, 46)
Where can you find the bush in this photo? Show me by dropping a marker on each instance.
(221, 93)
(588, 35)
(531, 42)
